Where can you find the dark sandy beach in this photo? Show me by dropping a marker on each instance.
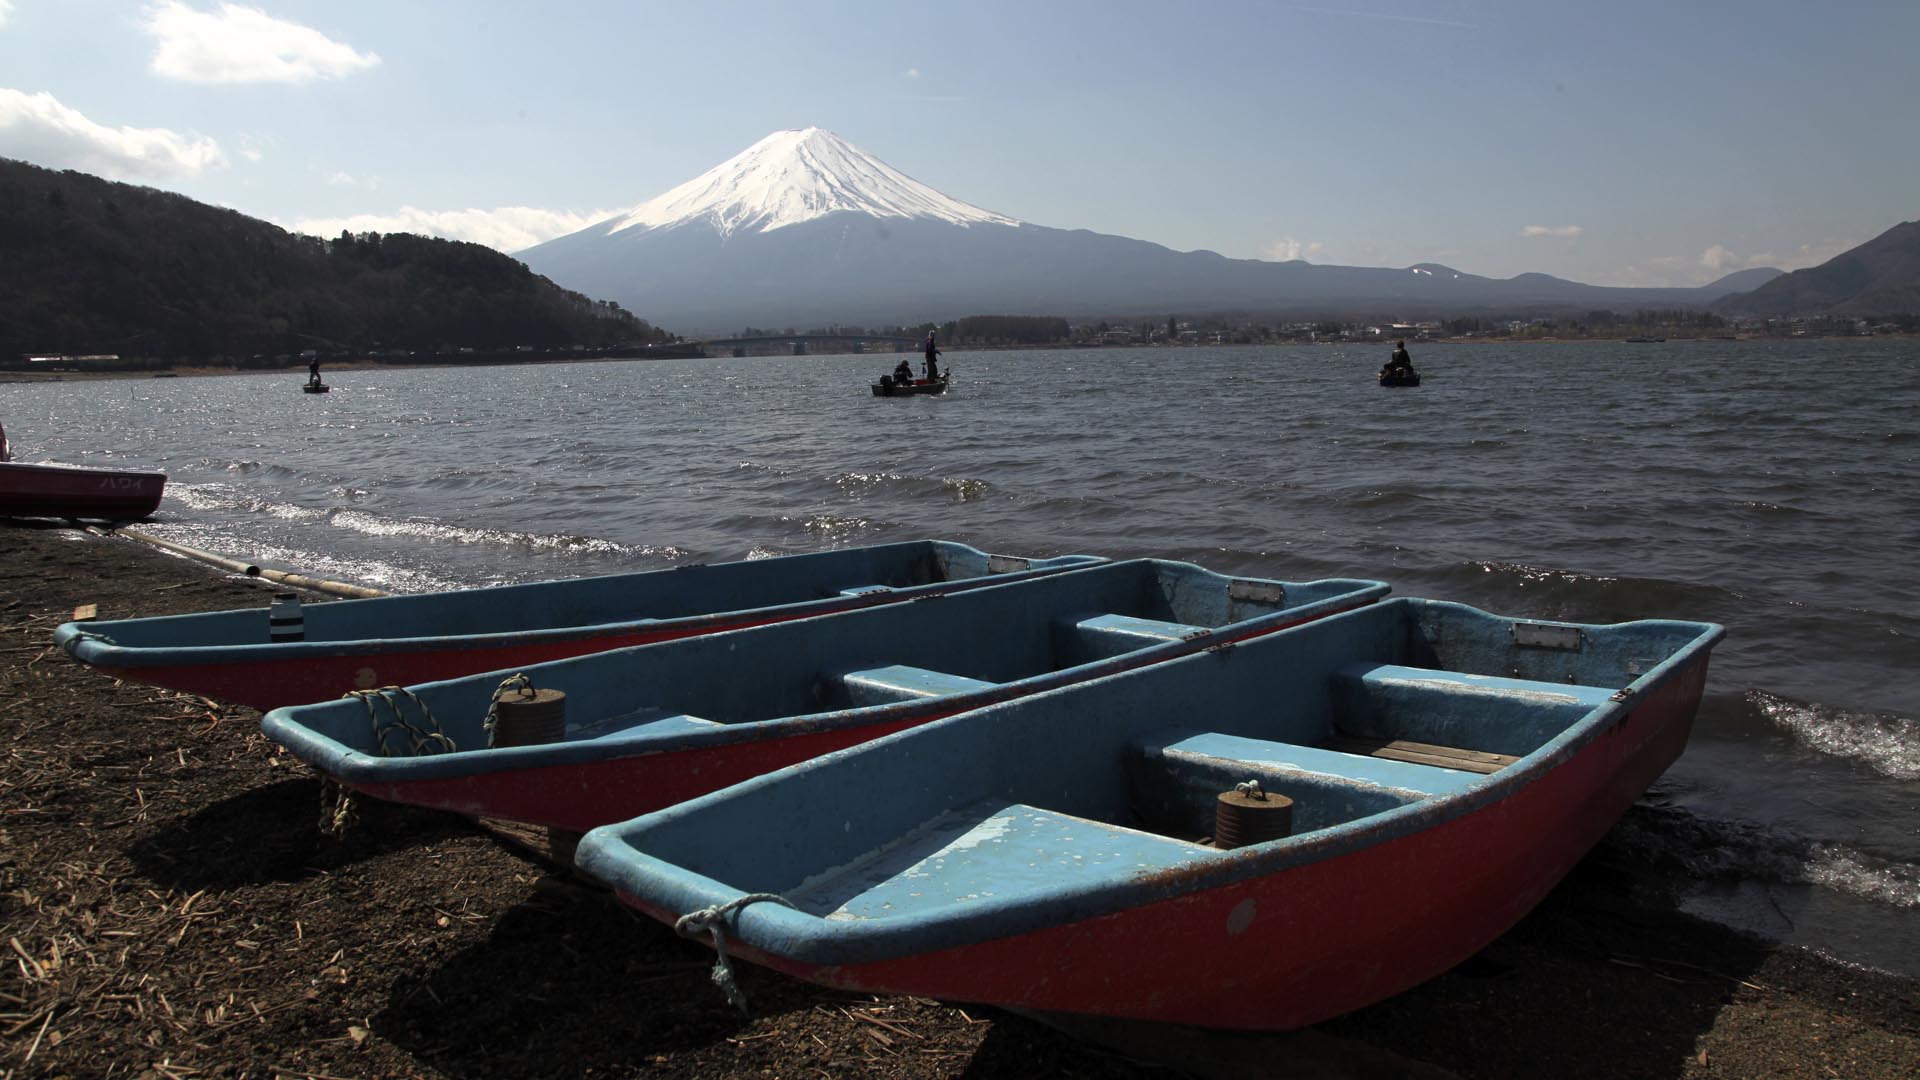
(171, 908)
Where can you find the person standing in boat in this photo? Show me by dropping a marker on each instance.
(313, 372)
(933, 365)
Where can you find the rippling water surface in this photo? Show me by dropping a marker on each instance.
(1772, 487)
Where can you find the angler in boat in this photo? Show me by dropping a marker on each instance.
(1399, 370)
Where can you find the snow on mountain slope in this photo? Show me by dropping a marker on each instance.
(795, 176)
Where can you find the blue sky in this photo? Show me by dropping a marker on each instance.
(1621, 143)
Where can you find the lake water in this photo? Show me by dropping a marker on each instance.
(1771, 487)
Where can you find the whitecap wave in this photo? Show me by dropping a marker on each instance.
(1888, 743)
(370, 524)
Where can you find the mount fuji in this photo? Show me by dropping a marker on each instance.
(804, 229)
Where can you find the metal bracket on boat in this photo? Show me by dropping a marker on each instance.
(1623, 694)
(1257, 592)
(1220, 647)
(1528, 635)
(929, 596)
(1006, 564)
(1195, 635)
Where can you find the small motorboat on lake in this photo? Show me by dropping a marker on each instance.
(315, 387)
(645, 728)
(887, 387)
(351, 645)
(81, 493)
(1403, 781)
(1405, 376)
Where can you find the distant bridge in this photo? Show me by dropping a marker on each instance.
(796, 344)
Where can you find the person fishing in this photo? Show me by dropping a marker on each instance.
(313, 372)
(932, 365)
(1400, 359)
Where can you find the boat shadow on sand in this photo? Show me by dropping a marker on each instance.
(569, 982)
(272, 834)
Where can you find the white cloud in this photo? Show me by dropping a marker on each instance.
(1558, 232)
(506, 228)
(1718, 258)
(1289, 249)
(244, 45)
(6, 9)
(37, 128)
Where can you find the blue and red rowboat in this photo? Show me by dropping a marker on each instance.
(351, 645)
(1446, 767)
(72, 491)
(649, 727)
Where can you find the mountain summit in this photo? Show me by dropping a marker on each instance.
(794, 176)
(803, 229)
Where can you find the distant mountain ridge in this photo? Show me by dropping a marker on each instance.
(95, 266)
(1880, 277)
(803, 228)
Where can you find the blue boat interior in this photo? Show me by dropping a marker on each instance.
(1068, 795)
(682, 592)
(847, 668)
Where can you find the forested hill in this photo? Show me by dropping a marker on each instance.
(1880, 277)
(92, 266)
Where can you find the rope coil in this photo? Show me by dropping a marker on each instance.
(712, 921)
(420, 740)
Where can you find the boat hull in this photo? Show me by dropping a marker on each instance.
(71, 492)
(404, 640)
(1446, 768)
(918, 386)
(1353, 930)
(651, 727)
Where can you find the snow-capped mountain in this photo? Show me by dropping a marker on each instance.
(795, 176)
(804, 229)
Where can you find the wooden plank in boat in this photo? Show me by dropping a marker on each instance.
(1419, 753)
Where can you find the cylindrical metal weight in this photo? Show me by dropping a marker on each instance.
(1242, 817)
(284, 621)
(524, 718)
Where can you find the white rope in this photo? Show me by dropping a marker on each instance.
(419, 740)
(520, 681)
(712, 920)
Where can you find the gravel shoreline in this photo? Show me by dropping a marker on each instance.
(172, 909)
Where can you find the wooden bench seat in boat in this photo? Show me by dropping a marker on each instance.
(643, 729)
(986, 853)
(898, 682)
(1441, 714)
(1099, 637)
(1419, 753)
(1224, 756)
